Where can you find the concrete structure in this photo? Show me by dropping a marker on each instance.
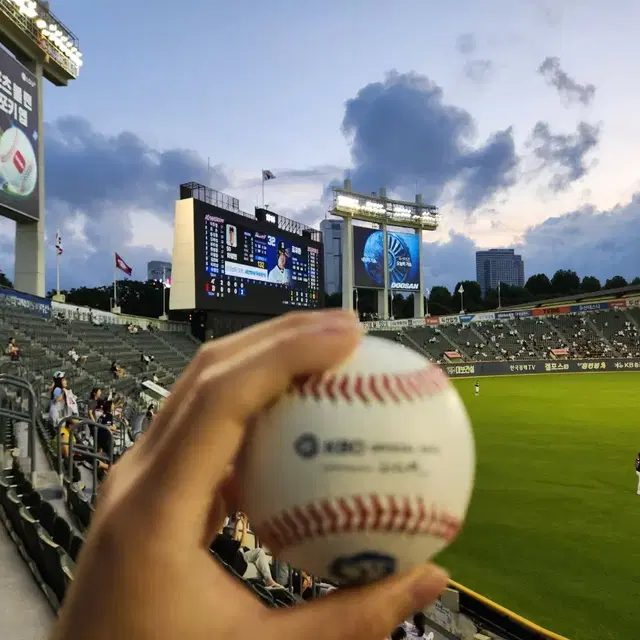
(48, 50)
(332, 230)
(499, 266)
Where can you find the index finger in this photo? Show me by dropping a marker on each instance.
(209, 425)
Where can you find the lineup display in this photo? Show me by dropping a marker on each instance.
(403, 256)
(249, 266)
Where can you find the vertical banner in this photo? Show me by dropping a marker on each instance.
(404, 261)
(19, 169)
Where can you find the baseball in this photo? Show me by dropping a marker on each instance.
(364, 471)
(18, 162)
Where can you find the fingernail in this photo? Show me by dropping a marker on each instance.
(428, 584)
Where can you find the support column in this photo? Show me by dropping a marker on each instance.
(347, 264)
(29, 247)
(418, 298)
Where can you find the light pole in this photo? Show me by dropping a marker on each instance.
(499, 297)
(426, 308)
(461, 292)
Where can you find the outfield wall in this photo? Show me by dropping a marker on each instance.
(479, 369)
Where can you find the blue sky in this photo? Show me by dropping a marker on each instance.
(517, 117)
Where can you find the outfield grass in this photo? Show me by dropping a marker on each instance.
(553, 531)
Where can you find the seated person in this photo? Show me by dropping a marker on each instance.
(116, 370)
(12, 350)
(232, 550)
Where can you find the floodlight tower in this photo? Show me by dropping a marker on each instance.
(44, 49)
(386, 213)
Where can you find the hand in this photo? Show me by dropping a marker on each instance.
(145, 571)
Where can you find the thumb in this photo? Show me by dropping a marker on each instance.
(372, 611)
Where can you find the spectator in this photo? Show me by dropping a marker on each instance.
(418, 628)
(94, 400)
(12, 350)
(63, 403)
(238, 556)
(145, 361)
(116, 370)
(638, 471)
(399, 633)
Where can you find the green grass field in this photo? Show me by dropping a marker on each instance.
(553, 531)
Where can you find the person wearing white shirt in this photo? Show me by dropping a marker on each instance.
(280, 274)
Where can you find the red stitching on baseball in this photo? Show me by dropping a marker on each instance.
(373, 388)
(372, 513)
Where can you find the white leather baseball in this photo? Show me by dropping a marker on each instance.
(18, 162)
(364, 471)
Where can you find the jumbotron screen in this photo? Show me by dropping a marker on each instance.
(249, 266)
(403, 255)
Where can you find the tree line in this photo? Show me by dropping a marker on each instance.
(442, 301)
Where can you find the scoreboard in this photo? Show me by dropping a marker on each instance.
(244, 265)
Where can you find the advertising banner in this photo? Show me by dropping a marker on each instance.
(404, 261)
(594, 306)
(433, 320)
(484, 317)
(19, 169)
(33, 304)
(618, 304)
(473, 369)
(449, 319)
(551, 311)
(403, 255)
(511, 315)
(467, 318)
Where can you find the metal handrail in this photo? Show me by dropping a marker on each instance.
(87, 452)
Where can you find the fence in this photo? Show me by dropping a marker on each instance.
(527, 367)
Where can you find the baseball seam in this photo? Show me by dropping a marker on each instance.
(9, 154)
(358, 514)
(381, 388)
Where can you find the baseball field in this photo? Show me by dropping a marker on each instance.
(553, 531)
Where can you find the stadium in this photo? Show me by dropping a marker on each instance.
(550, 543)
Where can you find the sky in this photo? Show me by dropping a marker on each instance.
(518, 118)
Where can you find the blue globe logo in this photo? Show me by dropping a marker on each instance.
(399, 257)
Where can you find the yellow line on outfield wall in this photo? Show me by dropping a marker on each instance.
(532, 626)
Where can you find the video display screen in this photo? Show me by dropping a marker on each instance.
(249, 266)
(19, 192)
(403, 253)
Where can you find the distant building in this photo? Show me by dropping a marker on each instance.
(158, 270)
(332, 230)
(499, 266)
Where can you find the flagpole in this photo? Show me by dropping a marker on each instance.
(263, 188)
(115, 292)
(57, 268)
(164, 293)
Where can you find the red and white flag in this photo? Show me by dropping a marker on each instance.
(122, 265)
(58, 243)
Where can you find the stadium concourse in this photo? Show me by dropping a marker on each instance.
(134, 362)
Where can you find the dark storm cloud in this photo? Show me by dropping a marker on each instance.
(565, 155)
(569, 89)
(402, 132)
(466, 43)
(589, 241)
(478, 71)
(106, 179)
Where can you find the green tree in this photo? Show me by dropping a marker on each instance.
(615, 283)
(635, 281)
(511, 295)
(472, 296)
(539, 286)
(565, 282)
(333, 300)
(590, 284)
(440, 302)
(5, 282)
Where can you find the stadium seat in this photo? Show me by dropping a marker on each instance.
(61, 533)
(47, 517)
(31, 537)
(58, 566)
(75, 545)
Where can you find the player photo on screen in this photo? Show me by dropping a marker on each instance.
(232, 236)
(280, 273)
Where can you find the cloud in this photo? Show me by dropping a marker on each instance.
(466, 43)
(445, 263)
(569, 89)
(564, 154)
(402, 132)
(97, 184)
(478, 71)
(589, 241)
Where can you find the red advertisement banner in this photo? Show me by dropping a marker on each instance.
(432, 320)
(551, 311)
